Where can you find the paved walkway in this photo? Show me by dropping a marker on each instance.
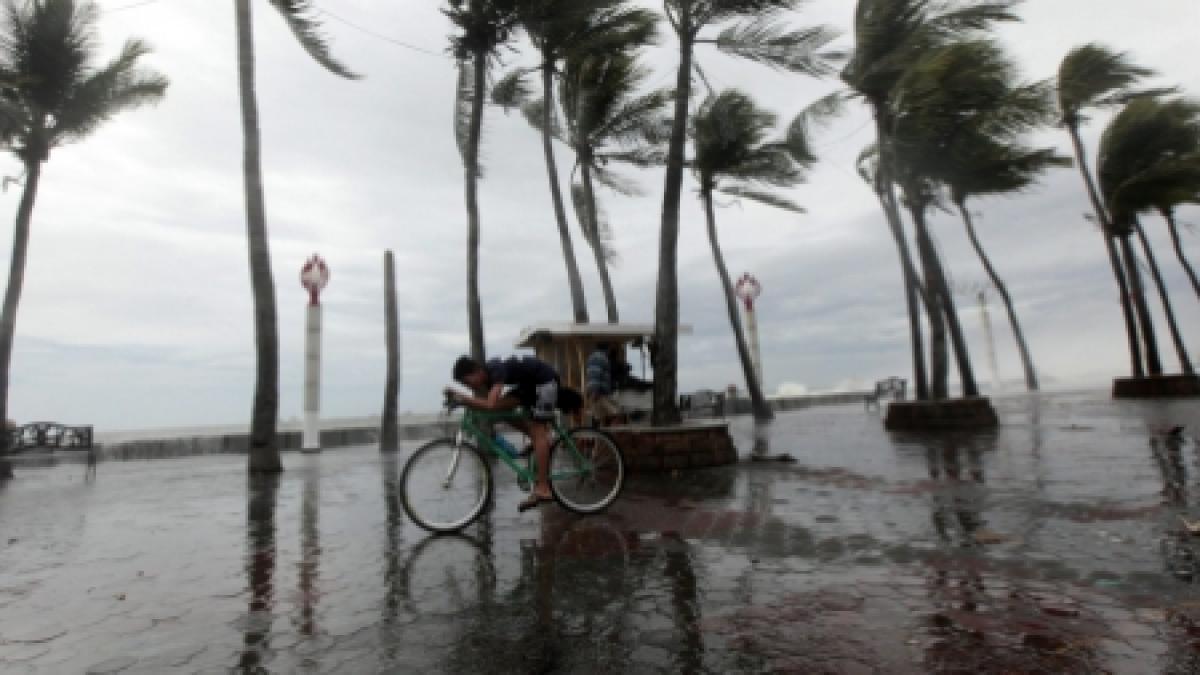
(1052, 546)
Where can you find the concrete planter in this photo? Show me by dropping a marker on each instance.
(1156, 386)
(689, 445)
(949, 415)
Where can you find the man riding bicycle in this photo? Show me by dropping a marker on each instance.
(504, 384)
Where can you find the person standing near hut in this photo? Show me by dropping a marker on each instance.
(599, 387)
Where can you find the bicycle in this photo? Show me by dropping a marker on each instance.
(447, 483)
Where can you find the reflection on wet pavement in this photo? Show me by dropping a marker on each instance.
(1057, 544)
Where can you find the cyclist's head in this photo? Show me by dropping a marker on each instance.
(468, 371)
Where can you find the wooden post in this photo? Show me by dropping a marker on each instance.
(389, 433)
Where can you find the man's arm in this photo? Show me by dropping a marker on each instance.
(494, 400)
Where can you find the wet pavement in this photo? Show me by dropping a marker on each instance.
(1053, 545)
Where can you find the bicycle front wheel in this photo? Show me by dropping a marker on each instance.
(586, 474)
(444, 487)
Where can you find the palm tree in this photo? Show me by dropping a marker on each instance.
(608, 121)
(762, 37)
(484, 26)
(1093, 76)
(733, 156)
(556, 30)
(264, 453)
(889, 36)
(1144, 152)
(54, 91)
(960, 124)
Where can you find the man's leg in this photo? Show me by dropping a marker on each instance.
(541, 452)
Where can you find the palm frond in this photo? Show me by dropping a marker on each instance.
(772, 199)
(729, 136)
(867, 165)
(533, 111)
(118, 86)
(1094, 75)
(636, 121)
(511, 90)
(817, 114)
(954, 19)
(298, 14)
(615, 182)
(708, 12)
(769, 41)
(645, 157)
(599, 233)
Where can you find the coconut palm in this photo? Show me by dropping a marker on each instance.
(484, 27)
(961, 121)
(760, 35)
(889, 36)
(558, 29)
(264, 453)
(732, 155)
(1093, 76)
(608, 120)
(54, 90)
(1144, 151)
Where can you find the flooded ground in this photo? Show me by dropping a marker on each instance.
(1054, 545)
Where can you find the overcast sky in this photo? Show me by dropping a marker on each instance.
(137, 308)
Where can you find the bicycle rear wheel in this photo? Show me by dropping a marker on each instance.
(588, 477)
(445, 487)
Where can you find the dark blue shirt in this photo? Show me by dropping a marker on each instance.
(525, 371)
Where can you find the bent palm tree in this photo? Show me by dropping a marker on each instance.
(264, 453)
(762, 38)
(733, 156)
(608, 121)
(889, 36)
(1094, 76)
(557, 30)
(1148, 152)
(484, 27)
(54, 92)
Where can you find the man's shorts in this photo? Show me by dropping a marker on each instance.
(540, 400)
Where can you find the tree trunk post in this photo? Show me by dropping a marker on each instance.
(1141, 307)
(1131, 328)
(758, 402)
(389, 432)
(471, 169)
(1169, 215)
(1185, 363)
(12, 298)
(1031, 382)
(589, 195)
(574, 282)
(666, 300)
(264, 449)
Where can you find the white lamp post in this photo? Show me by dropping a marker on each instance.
(748, 289)
(313, 277)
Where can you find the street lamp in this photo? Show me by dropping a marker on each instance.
(314, 276)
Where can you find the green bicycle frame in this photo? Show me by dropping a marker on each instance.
(472, 427)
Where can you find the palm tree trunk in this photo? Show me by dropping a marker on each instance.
(1131, 329)
(1138, 296)
(589, 195)
(1169, 215)
(578, 301)
(264, 452)
(474, 311)
(958, 340)
(758, 402)
(389, 434)
(885, 192)
(12, 298)
(1031, 382)
(940, 370)
(666, 299)
(1185, 363)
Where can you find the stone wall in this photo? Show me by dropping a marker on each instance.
(683, 447)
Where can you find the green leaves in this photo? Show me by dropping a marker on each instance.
(1095, 76)
(298, 16)
(53, 90)
(733, 155)
(769, 41)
